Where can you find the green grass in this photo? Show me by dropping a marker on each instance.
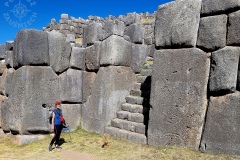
(86, 142)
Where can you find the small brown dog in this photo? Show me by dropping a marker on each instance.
(105, 139)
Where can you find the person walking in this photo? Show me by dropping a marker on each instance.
(56, 125)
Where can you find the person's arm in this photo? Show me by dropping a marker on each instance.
(53, 116)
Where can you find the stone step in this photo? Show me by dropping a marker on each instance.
(127, 135)
(129, 126)
(148, 65)
(149, 58)
(142, 86)
(143, 79)
(134, 100)
(140, 93)
(135, 108)
(146, 72)
(122, 114)
(134, 117)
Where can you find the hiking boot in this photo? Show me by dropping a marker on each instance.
(50, 148)
(57, 146)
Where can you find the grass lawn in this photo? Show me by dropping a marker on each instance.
(91, 144)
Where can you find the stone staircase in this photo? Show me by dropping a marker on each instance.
(132, 121)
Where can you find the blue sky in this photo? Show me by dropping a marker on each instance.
(38, 13)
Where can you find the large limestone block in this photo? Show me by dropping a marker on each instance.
(31, 48)
(77, 59)
(9, 59)
(25, 139)
(115, 51)
(5, 115)
(92, 56)
(32, 86)
(2, 51)
(88, 80)
(177, 23)
(2, 66)
(92, 33)
(233, 35)
(224, 70)
(212, 32)
(132, 18)
(8, 81)
(113, 27)
(71, 86)
(9, 45)
(3, 82)
(59, 51)
(139, 54)
(221, 131)
(72, 115)
(178, 97)
(210, 7)
(2, 99)
(109, 90)
(135, 33)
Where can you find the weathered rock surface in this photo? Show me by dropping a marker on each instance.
(113, 27)
(72, 115)
(178, 97)
(224, 70)
(177, 24)
(77, 59)
(210, 7)
(233, 36)
(2, 99)
(132, 18)
(24, 139)
(70, 38)
(88, 80)
(212, 32)
(31, 88)
(5, 115)
(9, 58)
(2, 51)
(2, 66)
(135, 33)
(92, 56)
(71, 86)
(109, 90)
(3, 82)
(8, 81)
(221, 131)
(31, 48)
(115, 51)
(9, 45)
(59, 51)
(139, 54)
(92, 33)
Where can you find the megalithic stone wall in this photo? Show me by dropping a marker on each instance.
(91, 66)
(195, 82)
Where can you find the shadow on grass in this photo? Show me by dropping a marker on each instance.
(61, 141)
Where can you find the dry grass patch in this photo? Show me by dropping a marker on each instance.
(147, 20)
(91, 144)
(79, 40)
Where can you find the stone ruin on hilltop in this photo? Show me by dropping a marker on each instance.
(167, 78)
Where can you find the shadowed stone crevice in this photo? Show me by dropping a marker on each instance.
(202, 147)
(182, 46)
